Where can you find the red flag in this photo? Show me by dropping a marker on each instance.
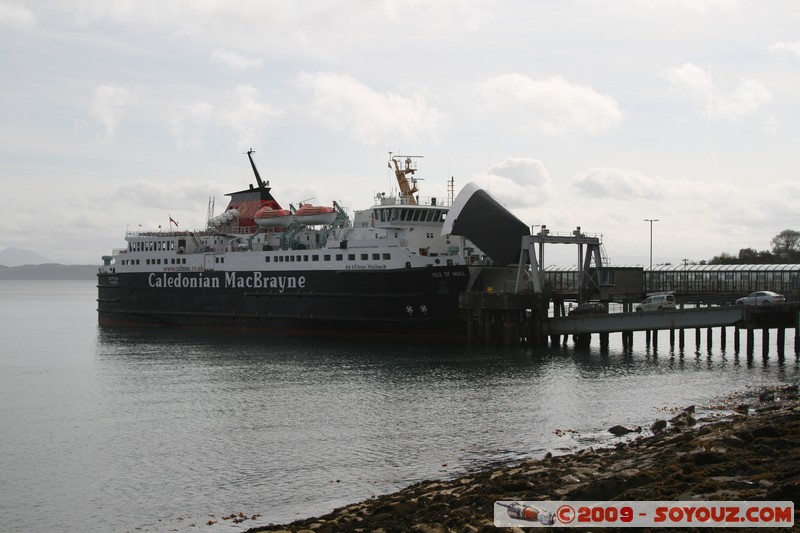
(172, 221)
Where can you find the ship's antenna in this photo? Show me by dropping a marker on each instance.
(250, 153)
(210, 214)
(451, 189)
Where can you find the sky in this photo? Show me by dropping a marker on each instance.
(598, 114)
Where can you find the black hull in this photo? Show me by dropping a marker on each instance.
(404, 301)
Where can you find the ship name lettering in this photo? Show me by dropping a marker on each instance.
(181, 281)
(232, 280)
(257, 280)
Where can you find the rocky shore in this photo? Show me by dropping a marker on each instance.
(749, 450)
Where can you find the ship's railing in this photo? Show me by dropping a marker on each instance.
(156, 233)
(435, 201)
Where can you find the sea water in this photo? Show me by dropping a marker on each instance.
(158, 429)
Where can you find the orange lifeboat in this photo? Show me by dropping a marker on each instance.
(269, 217)
(312, 215)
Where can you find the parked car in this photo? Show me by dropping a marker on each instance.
(658, 302)
(589, 308)
(762, 298)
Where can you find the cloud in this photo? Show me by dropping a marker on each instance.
(618, 183)
(164, 195)
(786, 48)
(747, 98)
(187, 121)
(247, 115)
(108, 105)
(517, 182)
(17, 17)
(689, 79)
(553, 105)
(242, 110)
(697, 6)
(343, 103)
(234, 61)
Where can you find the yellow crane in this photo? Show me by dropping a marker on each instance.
(407, 186)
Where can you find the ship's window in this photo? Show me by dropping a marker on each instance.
(417, 213)
(404, 214)
(351, 257)
(291, 258)
(338, 257)
(364, 257)
(146, 261)
(266, 259)
(394, 214)
(305, 258)
(299, 258)
(315, 257)
(387, 256)
(183, 260)
(326, 257)
(376, 257)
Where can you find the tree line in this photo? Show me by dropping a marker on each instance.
(785, 249)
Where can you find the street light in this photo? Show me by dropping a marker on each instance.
(651, 220)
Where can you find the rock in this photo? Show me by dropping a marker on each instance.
(733, 458)
(618, 431)
(658, 425)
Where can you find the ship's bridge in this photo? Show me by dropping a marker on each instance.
(408, 215)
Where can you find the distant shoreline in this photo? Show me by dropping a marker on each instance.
(49, 271)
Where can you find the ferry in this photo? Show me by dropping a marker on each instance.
(389, 268)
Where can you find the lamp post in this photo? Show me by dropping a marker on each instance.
(650, 277)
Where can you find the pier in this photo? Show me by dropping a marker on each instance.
(525, 303)
(523, 319)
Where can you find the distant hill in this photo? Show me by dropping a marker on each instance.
(49, 271)
(13, 257)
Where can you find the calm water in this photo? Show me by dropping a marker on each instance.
(156, 429)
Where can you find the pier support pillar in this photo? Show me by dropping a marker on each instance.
(655, 340)
(764, 342)
(681, 339)
(697, 339)
(647, 338)
(797, 340)
(781, 342)
(709, 339)
(736, 340)
(672, 339)
(750, 334)
(722, 339)
(603, 341)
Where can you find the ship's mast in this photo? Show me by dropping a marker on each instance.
(407, 186)
(250, 153)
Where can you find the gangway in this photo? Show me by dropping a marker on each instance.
(706, 317)
(535, 275)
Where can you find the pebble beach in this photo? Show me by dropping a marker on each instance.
(747, 449)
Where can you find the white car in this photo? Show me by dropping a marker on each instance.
(762, 298)
(659, 302)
